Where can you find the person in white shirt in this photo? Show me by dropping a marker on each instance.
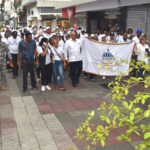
(136, 39)
(73, 56)
(124, 39)
(13, 44)
(47, 34)
(58, 60)
(44, 62)
(143, 52)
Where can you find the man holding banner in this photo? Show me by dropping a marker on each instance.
(73, 56)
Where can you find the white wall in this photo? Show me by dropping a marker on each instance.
(98, 5)
(108, 4)
(133, 2)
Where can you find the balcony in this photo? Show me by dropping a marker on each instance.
(28, 2)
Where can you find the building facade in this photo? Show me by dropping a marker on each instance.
(102, 14)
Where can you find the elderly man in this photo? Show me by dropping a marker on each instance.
(3, 51)
(73, 55)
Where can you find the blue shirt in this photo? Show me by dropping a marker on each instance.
(27, 51)
(123, 41)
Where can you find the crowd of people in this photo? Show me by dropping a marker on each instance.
(50, 52)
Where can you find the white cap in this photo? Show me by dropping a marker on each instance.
(44, 29)
(103, 35)
(48, 27)
(36, 36)
(61, 34)
(92, 35)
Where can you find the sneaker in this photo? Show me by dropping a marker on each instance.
(43, 88)
(47, 87)
(62, 88)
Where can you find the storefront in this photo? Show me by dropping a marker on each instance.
(63, 23)
(81, 19)
(104, 20)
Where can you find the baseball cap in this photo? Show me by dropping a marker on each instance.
(138, 31)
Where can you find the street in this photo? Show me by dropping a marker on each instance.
(48, 120)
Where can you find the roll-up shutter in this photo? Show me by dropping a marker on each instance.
(136, 18)
(148, 25)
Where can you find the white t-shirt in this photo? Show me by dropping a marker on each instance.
(40, 50)
(73, 50)
(13, 44)
(61, 44)
(60, 51)
(136, 40)
(141, 52)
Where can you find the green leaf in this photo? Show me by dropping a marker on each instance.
(146, 114)
(147, 135)
(125, 104)
(143, 127)
(108, 120)
(132, 116)
(102, 142)
(126, 91)
(119, 138)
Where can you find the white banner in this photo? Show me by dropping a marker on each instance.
(106, 59)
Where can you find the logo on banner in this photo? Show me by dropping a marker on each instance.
(108, 57)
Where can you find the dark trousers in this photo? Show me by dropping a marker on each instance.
(38, 72)
(75, 71)
(50, 72)
(28, 67)
(45, 74)
(15, 66)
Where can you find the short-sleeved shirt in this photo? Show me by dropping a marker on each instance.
(47, 59)
(27, 51)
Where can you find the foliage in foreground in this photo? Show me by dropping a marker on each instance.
(121, 112)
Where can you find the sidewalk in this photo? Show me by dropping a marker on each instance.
(47, 121)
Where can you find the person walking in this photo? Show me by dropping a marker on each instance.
(44, 63)
(3, 51)
(143, 51)
(58, 60)
(13, 44)
(27, 50)
(74, 59)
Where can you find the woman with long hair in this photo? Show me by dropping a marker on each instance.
(44, 63)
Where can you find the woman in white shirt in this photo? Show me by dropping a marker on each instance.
(58, 60)
(142, 51)
(44, 62)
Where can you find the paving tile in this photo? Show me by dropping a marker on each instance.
(27, 137)
(61, 137)
(44, 108)
(44, 137)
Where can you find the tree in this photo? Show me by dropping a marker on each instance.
(122, 112)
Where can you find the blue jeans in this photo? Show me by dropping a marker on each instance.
(58, 70)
